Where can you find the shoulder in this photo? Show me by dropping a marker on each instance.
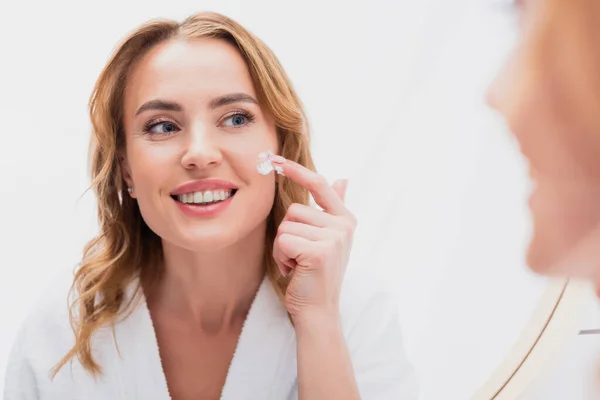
(43, 339)
(47, 326)
(51, 310)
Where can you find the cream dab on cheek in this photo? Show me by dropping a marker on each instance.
(264, 165)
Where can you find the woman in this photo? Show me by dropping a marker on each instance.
(209, 280)
(549, 92)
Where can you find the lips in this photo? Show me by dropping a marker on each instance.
(202, 207)
(203, 186)
(205, 197)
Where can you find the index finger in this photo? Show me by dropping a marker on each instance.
(316, 184)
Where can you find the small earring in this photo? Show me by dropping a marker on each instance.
(130, 189)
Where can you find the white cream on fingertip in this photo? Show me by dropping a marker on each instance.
(264, 166)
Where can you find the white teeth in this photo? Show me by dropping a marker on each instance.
(209, 196)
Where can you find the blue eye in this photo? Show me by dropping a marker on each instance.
(162, 128)
(238, 120)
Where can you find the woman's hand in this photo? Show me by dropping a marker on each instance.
(314, 245)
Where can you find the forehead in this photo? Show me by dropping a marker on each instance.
(182, 70)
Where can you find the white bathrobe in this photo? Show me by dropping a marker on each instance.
(263, 366)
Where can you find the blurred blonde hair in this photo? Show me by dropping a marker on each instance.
(125, 245)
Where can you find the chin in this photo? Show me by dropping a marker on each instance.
(547, 257)
(547, 247)
(556, 249)
(538, 258)
(207, 242)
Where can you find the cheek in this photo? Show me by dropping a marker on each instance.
(242, 150)
(243, 160)
(242, 154)
(257, 140)
(150, 164)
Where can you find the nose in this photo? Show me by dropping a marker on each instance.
(492, 94)
(201, 149)
(498, 91)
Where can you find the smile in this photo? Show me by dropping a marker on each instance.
(205, 197)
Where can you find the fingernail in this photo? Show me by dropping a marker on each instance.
(277, 159)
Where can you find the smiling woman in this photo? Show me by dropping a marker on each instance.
(209, 280)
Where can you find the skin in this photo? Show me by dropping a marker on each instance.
(214, 265)
(544, 111)
(315, 246)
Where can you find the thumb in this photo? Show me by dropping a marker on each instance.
(340, 187)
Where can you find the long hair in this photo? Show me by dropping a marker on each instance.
(125, 245)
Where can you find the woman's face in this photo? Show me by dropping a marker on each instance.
(541, 108)
(194, 129)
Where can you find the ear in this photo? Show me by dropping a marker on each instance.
(125, 170)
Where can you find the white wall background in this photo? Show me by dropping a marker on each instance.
(394, 90)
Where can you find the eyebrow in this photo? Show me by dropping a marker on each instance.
(232, 98)
(221, 101)
(159, 105)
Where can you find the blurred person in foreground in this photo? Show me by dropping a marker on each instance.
(549, 94)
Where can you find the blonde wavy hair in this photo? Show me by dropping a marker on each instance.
(125, 246)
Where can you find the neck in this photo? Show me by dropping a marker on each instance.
(213, 288)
